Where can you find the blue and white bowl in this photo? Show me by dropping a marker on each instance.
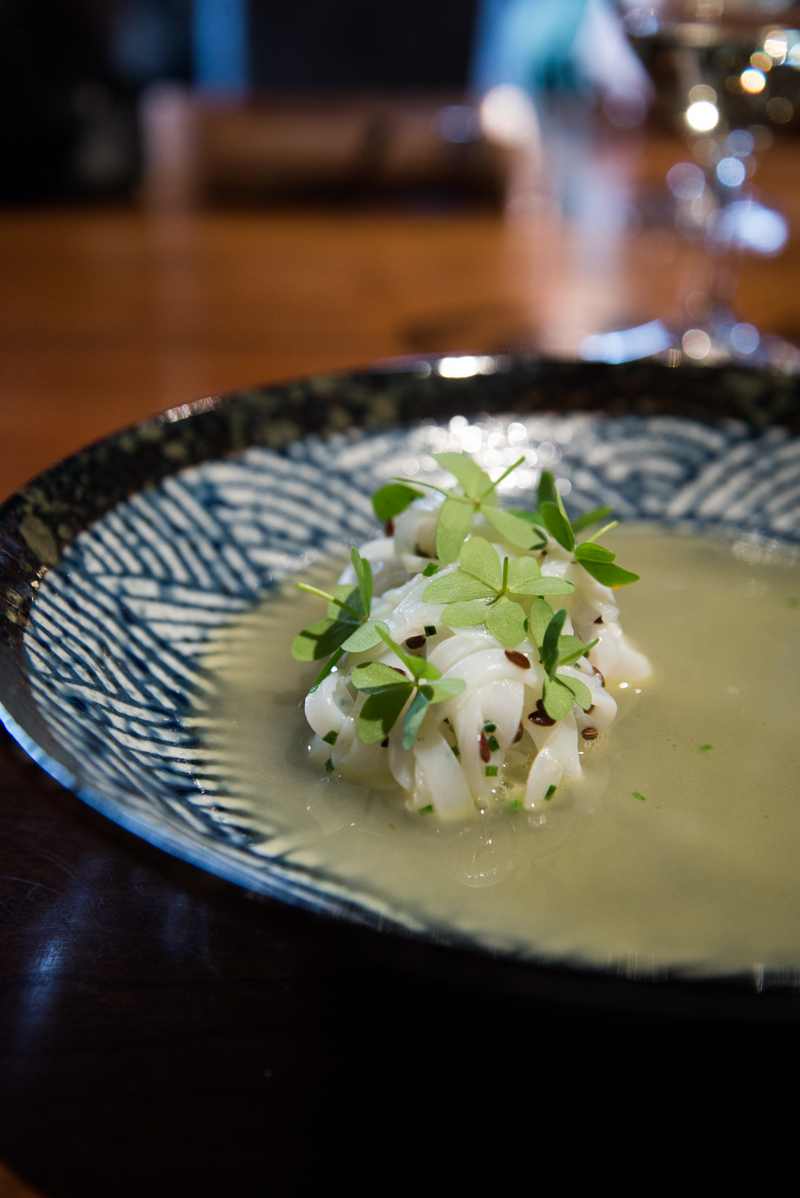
(123, 565)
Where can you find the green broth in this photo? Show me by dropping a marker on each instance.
(702, 875)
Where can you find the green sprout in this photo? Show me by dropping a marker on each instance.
(347, 628)
(389, 689)
(595, 559)
(391, 500)
(555, 652)
(484, 591)
(479, 495)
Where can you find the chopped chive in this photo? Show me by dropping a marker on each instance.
(705, 748)
(329, 765)
(330, 738)
(493, 744)
(430, 630)
(636, 795)
(490, 727)
(455, 750)
(551, 790)
(491, 771)
(431, 568)
(516, 805)
(426, 810)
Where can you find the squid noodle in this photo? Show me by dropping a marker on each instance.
(448, 767)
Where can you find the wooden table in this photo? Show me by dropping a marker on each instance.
(158, 1033)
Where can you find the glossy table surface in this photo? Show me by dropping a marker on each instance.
(159, 1033)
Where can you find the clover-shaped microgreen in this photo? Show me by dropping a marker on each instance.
(556, 651)
(480, 495)
(595, 559)
(389, 689)
(486, 591)
(391, 500)
(347, 627)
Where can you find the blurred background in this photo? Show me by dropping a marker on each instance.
(197, 195)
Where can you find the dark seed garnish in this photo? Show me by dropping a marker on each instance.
(415, 642)
(388, 528)
(385, 743)
(518, 737)
(589, 710)
(589, 734)
(397, 670)
(486, 752)
(600, 676)
(540, 716)
(518, 659)
(599, 620)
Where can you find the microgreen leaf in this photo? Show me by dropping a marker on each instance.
(375, 676)
(587, 552)
(518, 532)
(592, 517)
(364, 638)
(522, 571)
(320, 639)
(580, 691)
(466, 615)
(480, 558)
(414, 717)
(550, 639)
(567, 645)
(327, 669)
(557, 523)
(567, 655)
(557, 699)
(440, 692)
(547, 585)
(344, 603)
(364, 579)
(456, 587)
(474, 481)
(506, 620)
(453, 527)
(379, 714)
(539, 616)
(391, 500)
(608, 574)
(546, 492)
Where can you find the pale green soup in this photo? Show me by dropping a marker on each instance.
(703, 873)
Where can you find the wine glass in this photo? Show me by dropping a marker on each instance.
(728, 82)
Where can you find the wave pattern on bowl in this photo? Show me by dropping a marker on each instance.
(121, 628)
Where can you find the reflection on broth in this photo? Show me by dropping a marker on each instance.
(678, 847)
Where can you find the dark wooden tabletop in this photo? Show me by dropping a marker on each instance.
(160, 1033)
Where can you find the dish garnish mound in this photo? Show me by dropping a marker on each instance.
(468, 647)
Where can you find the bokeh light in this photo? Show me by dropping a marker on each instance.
(753, 81)
(702, 116)
(507, 116)
(745, 338)
(686, 181)
(731, 172)
(696, 343)
(775, 45)
(780, 110)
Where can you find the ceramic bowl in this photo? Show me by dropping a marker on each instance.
(122, 564)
